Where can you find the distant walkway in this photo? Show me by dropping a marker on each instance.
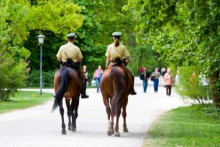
(37, 127)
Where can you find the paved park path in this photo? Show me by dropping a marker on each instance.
(38, 127)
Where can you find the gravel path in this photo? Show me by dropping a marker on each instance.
(37, 127)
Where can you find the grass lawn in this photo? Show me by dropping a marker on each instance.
(193, 126)
(23, 100)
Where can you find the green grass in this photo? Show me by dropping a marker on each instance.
(193, 126)
(23, 100)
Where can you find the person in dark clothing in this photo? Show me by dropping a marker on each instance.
(145, 75)
(86, 79)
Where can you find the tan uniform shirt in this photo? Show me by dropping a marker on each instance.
(69, 50)
(117, 52)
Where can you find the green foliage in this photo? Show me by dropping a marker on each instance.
(190, 85)
(193, 126)
(57, 16)
(100, 19)
(12, 55)
(34, 79)
(60, 18)
(182, 32)
(17, 20)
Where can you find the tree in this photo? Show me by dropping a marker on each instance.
(61, 18)
(100, 19)
(182, 33)
(12, 54)
(16, 22)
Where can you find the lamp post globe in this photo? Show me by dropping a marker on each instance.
(41, 39)
(41, 42)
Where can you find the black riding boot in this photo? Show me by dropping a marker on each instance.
(83, 93)
(133, 91)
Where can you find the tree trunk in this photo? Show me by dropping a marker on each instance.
(214, 90)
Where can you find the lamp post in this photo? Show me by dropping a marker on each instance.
(41, 42)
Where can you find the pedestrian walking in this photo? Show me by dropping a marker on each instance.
(177, 78)
(145, 75)
(155, 78)
(98, 76)
(168, 81)
(205, 85)
(163, 71)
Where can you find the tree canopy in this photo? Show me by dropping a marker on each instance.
(182, 32)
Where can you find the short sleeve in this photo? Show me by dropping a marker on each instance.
(126, 53)
(107, 52)
(80, 54)
(59, 53)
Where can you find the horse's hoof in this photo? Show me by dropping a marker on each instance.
(125, 130)
(117, 134)
(110, 133)
(69, 128)
(63, 132)
(74, 129)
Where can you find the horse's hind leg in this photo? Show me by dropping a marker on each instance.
(62, 117)
(124, 114)
(108, 111)
(68, 113)
(118, 113)
(74, 111)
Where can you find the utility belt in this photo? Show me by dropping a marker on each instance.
(70, 63)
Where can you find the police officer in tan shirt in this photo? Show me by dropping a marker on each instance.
(71, 56)
(117, 53)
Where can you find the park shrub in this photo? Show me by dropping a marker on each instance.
(190, 85)
(34, 78)
(12, 75)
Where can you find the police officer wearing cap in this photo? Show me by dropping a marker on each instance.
(70, 55)
(117, 54)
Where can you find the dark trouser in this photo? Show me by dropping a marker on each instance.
(145, 84)
(156, 84)
(84, 85)
(168, 89)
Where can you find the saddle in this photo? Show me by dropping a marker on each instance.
(70, 63)
(119, 62)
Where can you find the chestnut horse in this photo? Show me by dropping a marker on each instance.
(115, 86)
(67, 84)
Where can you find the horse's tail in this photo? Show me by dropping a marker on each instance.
(119, 81)
(64, 78)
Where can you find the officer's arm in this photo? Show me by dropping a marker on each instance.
(79, 55)
(59, 54)
(107, 61)
(126, 56)
(127, 59)
(59, 59)
(107, 54)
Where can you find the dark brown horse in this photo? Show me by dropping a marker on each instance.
(115, 86)
(67, 84)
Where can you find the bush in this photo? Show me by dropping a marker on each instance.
(34, 78)
(189, 85)
(12, 76)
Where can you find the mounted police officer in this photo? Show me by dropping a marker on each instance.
(117, 54)
(70, 56)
